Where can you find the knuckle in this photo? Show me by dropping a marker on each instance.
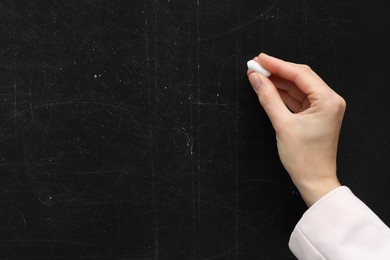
(306, 68)
(343, 103)
(337, 103)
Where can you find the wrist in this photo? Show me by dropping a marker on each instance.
(312, 192)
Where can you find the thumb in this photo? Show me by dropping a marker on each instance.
(270, 100)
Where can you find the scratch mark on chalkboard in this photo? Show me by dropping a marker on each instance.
(336, 24)
(192, 134)
(238, 54)
(148, 83)
(14, 75)
(189, 141)
(27, 241)
(256, 229)
(382, 137)
(14, 18)
(97, 221)
(152, 166)
(260, 16)
(118, 220)
(46, 105)
(16, 234)
(218, 256)
(205, 104)
(198, 118)
(268, 181)
(30, 95)
(55, 222)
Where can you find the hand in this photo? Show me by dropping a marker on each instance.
(306, 115)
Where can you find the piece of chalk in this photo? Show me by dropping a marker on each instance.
(253, 65)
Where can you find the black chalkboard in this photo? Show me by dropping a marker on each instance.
(128, 129)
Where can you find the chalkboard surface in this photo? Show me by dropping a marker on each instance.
(128, 129)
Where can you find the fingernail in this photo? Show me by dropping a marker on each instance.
(263, 54)
(255, 81)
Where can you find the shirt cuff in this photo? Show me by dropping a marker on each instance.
(339, 226)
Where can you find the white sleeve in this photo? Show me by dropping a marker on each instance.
(340, 226)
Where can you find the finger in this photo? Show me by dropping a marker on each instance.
(284, 84)
(270, 100)
(289, 87)
(303, 77)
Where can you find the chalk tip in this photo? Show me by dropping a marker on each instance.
(255, 66)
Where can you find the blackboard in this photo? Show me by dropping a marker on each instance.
(128, 129)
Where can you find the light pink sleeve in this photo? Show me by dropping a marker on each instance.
(340, 226)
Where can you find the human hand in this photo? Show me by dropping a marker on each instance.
(307, 116)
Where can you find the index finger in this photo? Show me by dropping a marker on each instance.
(303, 77)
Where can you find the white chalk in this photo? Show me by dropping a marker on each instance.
(253, 65)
